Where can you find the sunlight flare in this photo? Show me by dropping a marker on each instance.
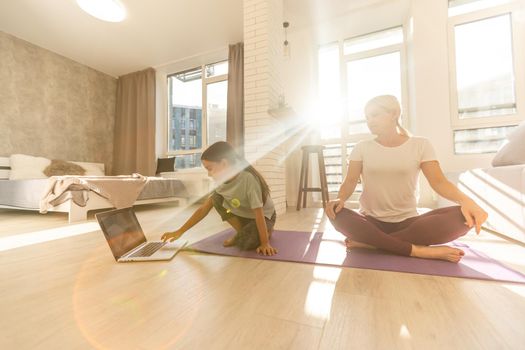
(404, 333)
(30, 238)
(318, 302)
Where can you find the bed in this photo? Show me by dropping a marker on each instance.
(500, 191)
(27, 194)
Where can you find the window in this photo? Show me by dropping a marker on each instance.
(196, 111)
(484, 73)
(457, 7)
(216, 107)
(487, 90)
(216, 69)
(329, 92)
(351, 72)
(374, 40)
(483, 140)
(334, 166)
(369, 77)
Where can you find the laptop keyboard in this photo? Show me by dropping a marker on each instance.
(148, 249)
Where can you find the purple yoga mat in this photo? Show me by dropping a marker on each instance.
(328, 248)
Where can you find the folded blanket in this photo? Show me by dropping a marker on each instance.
(121, 191)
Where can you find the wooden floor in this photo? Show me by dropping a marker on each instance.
(67, 292)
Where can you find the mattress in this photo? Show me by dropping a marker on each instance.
(28, 193)
(22, 193)
(500, 191)
(159, 187)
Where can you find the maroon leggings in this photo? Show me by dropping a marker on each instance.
(435, 227)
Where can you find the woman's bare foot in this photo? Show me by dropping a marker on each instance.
(353, 244)
(229, 242)
(441, 252)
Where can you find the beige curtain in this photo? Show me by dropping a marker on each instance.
(235, 108)
(134, 142)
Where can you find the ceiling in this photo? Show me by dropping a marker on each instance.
(301, 13)
(155, 32)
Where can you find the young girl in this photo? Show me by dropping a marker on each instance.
(242, 198)
(389, 168)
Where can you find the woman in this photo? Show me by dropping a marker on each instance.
(389, 167)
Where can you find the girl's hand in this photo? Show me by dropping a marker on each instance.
(266, 249)
(474, 215)
(333, 207)
(171, 236)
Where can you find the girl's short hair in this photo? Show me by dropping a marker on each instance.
(223, 150)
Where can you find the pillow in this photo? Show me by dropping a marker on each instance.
(61, 167)
(165, 165)
(27, 167)
(517, 133)
(92, 169)
(513, 152)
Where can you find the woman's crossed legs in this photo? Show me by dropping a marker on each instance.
(411, 237)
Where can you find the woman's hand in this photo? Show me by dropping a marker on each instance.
(171, 236)
(266, 249)
(333, 207)
(474, 215)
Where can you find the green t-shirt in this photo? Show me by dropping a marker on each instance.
(243, 194)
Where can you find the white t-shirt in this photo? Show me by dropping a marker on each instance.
(390, 177)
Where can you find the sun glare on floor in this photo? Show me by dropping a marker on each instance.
(515, 288)
(404, 333)
(317, 222)
(318, 301)
(327, 273)
(27, 239)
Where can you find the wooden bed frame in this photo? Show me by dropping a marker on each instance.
(78, 213)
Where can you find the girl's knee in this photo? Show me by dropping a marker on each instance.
(248, 237)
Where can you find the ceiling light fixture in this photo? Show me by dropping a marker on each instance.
(106, 10)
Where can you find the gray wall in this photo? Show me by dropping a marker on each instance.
(53, 107)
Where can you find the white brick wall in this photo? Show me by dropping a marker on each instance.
(264, 135)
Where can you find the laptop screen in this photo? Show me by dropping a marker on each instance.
(121, 229)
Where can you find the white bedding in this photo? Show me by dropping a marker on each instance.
(500, 191)
(27, 194)
(24, 194)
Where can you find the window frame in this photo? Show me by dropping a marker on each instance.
(205, 81)
(518, 56)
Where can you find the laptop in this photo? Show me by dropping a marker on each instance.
(127, 241)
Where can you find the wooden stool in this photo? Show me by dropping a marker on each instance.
(303, 180)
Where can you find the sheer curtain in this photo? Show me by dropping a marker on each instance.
(134, 142)
(235, 108)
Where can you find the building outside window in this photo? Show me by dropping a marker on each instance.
(196, 111)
